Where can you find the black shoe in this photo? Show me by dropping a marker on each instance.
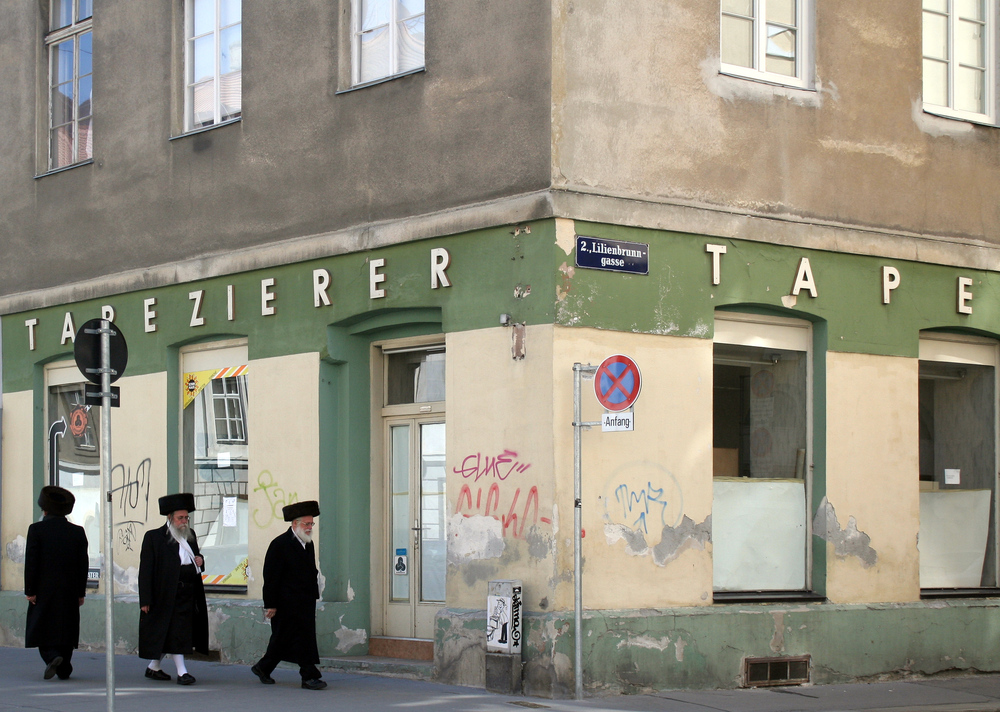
(185, 679)
(156, 674)
(264, 677)
(64, 675)
(315, 684)
(50, 669)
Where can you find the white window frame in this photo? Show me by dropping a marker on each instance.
(803, 48)
(988, 116)
(189, 85)
(74, 31)
(393, 25)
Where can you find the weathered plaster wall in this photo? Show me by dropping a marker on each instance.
(284, 449)
(18, 488)
(504, 518)
(653, 117)
(871, 514)
(138, 470)
(647, 494)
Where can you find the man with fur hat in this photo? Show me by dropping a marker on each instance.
(291, 588)
(55, 582)
(173, 616)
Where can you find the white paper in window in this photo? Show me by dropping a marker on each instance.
(224, 460)
(229, 511)
(78, 479)
(953, 477)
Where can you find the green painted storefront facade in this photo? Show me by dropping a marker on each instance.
(530, 275)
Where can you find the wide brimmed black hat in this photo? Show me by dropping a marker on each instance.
(173, 502)
(308, 508)
(56, 500)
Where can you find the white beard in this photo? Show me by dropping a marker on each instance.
(307, 538)
(180, 533)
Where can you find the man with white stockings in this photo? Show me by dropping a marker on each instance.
(173, 616)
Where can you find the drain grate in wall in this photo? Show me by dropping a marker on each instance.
(771, 672)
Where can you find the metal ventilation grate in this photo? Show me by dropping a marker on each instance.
(771, 672)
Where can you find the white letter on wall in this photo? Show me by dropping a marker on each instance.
(149, 314)
(31, 324)
(69, 331)
(375, 278)
(266, 296)
(196, 318)
(440, 259)
(890, 281)
(964, 296)
(231, 302)
(804, 279)
(108, 312)
(321, 282)
(717, 252)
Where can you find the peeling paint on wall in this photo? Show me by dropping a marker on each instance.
(321, 580)
(476, 537)
(673, 540)
(126, 580)
(15, 549)
(645, 641)
(350, 591)
(846, 542)
(349, 638)
(778, 639)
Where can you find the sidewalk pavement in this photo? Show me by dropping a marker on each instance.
(221, 688)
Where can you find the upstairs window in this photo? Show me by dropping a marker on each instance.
(213, 62)
(388, 38)
(765, 40)
(958, 58)
(70, 86)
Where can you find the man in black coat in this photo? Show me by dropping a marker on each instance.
(55, 582)
(291, 588)
(173, 616)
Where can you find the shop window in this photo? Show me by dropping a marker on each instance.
(215, 467)
(761, 435)
(957, 411)
(74, 452)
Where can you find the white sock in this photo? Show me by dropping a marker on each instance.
(179, 662)
(154, 665)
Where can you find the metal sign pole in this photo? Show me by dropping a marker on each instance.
(578, 373)
(109, 579)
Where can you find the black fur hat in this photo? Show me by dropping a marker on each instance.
(309, 508)
(56, 500)
(173, 502)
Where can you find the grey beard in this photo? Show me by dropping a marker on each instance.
(180, 533)
(307, 538)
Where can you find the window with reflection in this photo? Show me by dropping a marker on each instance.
(388, 38)
(213, 62)
(216, 443)
(765, 39)
(69, 43)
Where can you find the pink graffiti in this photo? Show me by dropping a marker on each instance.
(513, 523)
(500, 467)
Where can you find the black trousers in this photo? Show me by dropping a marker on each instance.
(308, 671)
(59, 651)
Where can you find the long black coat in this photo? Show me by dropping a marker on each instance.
(159, 570)
(291, 587)
(55, 570)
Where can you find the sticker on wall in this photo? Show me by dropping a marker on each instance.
(194, 383)
(229, 511)
(399, 567)
(952, 477)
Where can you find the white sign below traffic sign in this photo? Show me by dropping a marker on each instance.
(617, 422)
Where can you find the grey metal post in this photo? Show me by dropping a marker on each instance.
(109, 578)
(578, 372)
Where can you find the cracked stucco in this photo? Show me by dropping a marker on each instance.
(673, 540)
(473, 538)
(15, 549)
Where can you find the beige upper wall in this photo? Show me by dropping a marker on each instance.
(872, 479)
(642, 110)
(17, 490)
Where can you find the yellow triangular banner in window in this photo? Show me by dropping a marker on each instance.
(193, 383)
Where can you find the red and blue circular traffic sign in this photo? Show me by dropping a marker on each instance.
(617, 382)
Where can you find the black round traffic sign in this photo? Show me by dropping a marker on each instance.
(87, 351)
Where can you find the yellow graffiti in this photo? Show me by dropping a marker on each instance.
(276, 498)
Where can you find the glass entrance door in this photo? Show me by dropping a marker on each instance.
(416, 518)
